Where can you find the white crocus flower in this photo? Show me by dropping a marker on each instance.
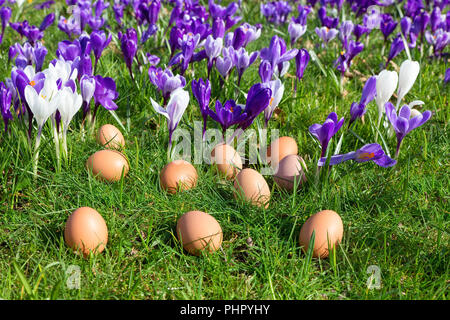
(409, 70)
(69, 103)
(277, 88)
(385, 85)
(61, 70)
(178, 102)
(42, 105)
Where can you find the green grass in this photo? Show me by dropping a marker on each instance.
(395, 218)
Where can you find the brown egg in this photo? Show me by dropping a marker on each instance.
(227, 160)
(327, 226)
(86, 230)
(108, 165)
(199, 231)
(281, 148)
(110, 137)
(290, 170)
(252, 186)
(178, 175)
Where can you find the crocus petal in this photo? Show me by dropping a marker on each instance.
(405, 112)
(159, 109)
(409, 70)
(385, 162)
(402, 125)
(386, 83)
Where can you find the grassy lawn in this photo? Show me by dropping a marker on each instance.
(394, 218)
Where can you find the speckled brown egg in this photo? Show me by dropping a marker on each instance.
(86, 231)
(178, 175)
(199, 231)
(328, 229)
(290, 170)
(251, 185)
(110, 137)
(281, 148)
(108, 165)
(227, 160)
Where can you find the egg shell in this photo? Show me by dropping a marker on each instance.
(251, 185)
(108, 165)
(199, 231)
(327, 226)
(110, 137)
(281, 148)
(227, 160)
(290, 170)
(178, 175)
(86, 231)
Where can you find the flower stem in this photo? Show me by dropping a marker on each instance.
(36, 152)
(57, 145)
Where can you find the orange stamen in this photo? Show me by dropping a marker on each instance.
(366, 156)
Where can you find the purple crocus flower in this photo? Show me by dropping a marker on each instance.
(402, 123)
(87, 88)
(5, 15)
(327, 21)
(99, 42)
(70, 26)
(258, 98)
(387, 25)
(179, 100)
(105, 92)
(447, 75)
(47, 22)
(413, 6)
(301, 61)
(213, 47)
(129, 47)
(303, 12)
(250, 32)
(345, 31)
(39, 53)
(218, 28)
(225, 64)
(326, 34)
(397, 46)
(439, 40)
(202, 92)
(324, 132)
(369, 152)
(5, 104)
(165, 81)
(227, 114)
(217, 10)
(359, 31)
(265, 71)
(437, 20)
(277, 55)
(118, 8)
(344, 61)
(296, 30)
(276, 12)
(242, 60)
(188, 43)
(357, 110)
